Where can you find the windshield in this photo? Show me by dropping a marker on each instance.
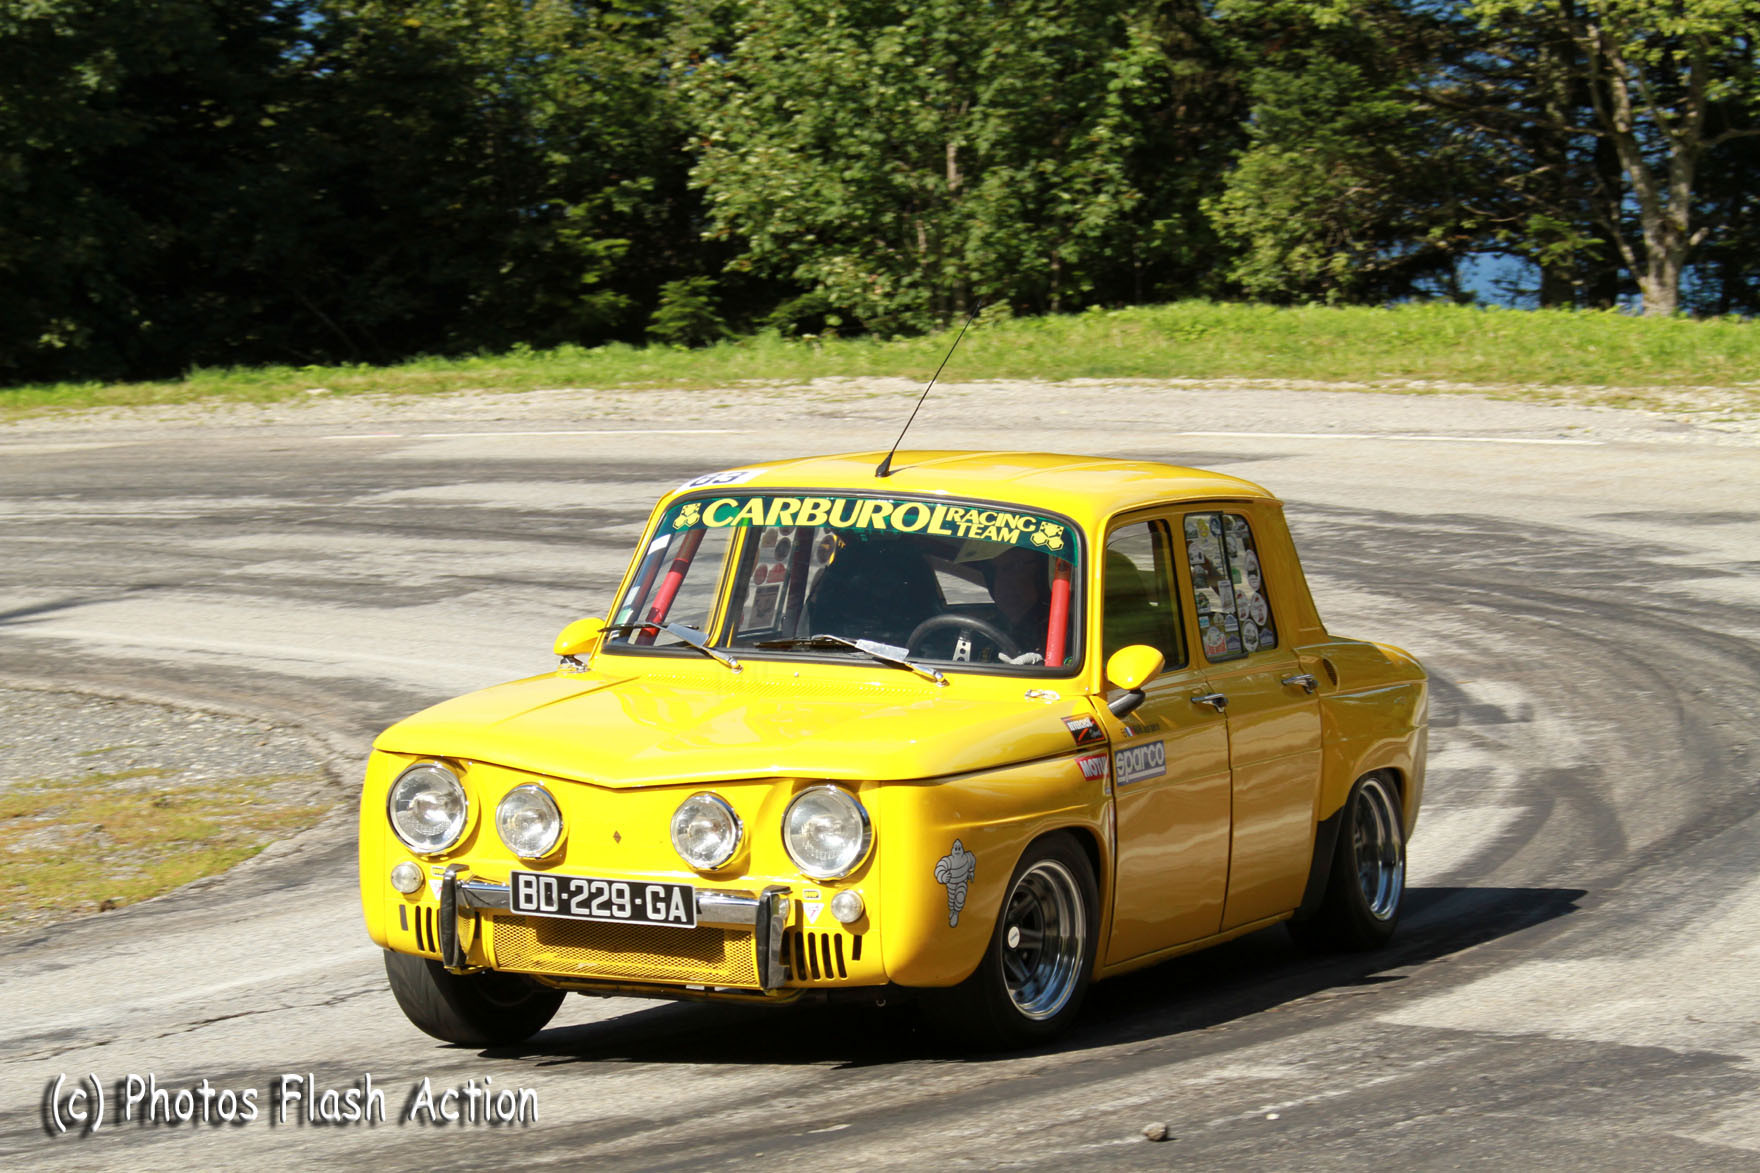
(942, 582)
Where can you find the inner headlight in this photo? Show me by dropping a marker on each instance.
(826, 832)
(705, 831)
(428, 808)
(528, 822)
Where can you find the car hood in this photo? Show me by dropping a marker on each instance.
(649, 730)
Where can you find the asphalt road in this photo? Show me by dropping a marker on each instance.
(1576, 983)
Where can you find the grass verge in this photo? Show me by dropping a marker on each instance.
(101, 841)
(1576, 356)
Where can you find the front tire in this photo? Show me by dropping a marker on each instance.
(469, 1010)
(1036, 968)
(1367, 881)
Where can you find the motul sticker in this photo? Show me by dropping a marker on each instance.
(1093, 766)
(1084, 729)
(1139, 763)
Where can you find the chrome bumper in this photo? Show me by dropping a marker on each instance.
(765, 914)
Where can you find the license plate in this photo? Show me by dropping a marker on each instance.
(628, 902)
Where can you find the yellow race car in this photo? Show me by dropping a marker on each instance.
(984, 728)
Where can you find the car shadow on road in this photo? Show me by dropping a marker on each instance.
(1253, 975)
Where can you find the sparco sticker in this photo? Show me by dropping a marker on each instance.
(1140, 762)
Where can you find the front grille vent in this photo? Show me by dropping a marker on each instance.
(818, 957)
(427, 941)
(644, 953)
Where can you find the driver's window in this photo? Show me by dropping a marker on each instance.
(1139, 602)
(679, 581)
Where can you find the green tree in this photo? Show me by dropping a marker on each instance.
(1350, 187)
(488, 172)
(138, 165)
(210, 182)
(1573, 132)
(687, 314)
(897, 160)
(1657, 75)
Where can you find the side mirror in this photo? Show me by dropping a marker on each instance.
(579, 638)
(1130, 668)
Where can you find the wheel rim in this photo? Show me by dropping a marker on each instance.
(1044, 937)
(1379, 845)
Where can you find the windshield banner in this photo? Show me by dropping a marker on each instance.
(980, 523)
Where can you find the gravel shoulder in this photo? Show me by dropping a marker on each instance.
(1707, 413)
(106, 801)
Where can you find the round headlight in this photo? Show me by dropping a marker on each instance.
(826, 832)
(528, 822)
(705, 831)
(428, 808)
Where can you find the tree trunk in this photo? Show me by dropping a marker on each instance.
(1603, 277)
(1557, 288)
(954, 179)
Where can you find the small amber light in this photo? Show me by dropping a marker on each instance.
(847, 907)
(406, 877)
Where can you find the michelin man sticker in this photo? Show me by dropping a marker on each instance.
(955, 870)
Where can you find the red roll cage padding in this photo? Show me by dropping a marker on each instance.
(1057, 625)
(668, 591)
(800, 561)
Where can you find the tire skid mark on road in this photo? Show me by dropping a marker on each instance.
(1514, 613)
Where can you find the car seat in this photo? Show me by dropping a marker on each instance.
(1132, 614)
(875, 589)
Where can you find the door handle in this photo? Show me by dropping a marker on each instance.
(1214, 699)
(1306, 680)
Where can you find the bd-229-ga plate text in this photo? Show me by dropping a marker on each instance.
(590, 898)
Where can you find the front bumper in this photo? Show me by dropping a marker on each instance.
(739, 941)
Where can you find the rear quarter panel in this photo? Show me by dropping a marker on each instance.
(1374, 712)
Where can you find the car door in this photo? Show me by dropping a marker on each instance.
(1273, 716)
(1169, 758)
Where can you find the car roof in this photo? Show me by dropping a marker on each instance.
(1086, 488)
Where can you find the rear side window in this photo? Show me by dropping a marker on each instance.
(1234, 614)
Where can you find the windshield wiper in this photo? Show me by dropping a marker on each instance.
(686, 635)
(862, 646)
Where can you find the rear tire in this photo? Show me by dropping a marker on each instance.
(1036, 968)
(469, 1010)
(1367, 880)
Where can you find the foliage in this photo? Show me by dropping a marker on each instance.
(900, 160)
(201, 181)
(686, 315)
(1350, 188)
(1581, 136)
(210, 183)
(1662, 83)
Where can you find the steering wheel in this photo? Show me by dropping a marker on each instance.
(966, 624)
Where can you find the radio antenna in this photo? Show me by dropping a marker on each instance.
(885, 467)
